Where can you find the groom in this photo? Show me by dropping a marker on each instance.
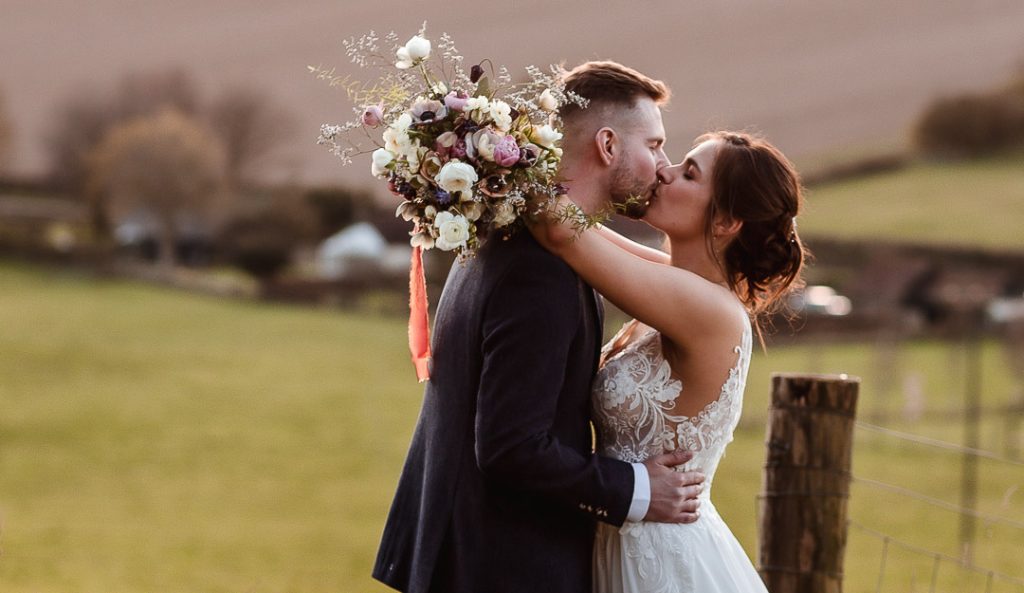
(501, 488)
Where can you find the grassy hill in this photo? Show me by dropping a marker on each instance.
(972, 203)
(154, 440)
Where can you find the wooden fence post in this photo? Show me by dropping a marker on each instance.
(807, 482)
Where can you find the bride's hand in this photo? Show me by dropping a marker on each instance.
(554, 228)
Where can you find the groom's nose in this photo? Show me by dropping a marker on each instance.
(663, 159)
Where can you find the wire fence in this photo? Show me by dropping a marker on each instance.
(940, 561)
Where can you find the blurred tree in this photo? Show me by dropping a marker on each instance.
(6, 136)
(167, 165)
(85, 116)
(251, 127)
(146, 93)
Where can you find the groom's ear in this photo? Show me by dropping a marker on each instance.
(606, 141)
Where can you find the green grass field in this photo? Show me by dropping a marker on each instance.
(154, 440)
(972, 203)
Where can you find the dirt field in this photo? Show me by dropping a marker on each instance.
(825, 80)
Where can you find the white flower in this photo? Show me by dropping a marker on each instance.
(430, 212)
(499, 111)
(407, 210)
(403, 122)
(382, 157)
(422, 239)
(481, 144)
(415, 49)
(413, 154)
(439, 88)
(478, 108)
(396, 137)
(545, 136)
(504, 214)
(547, 101)
(474, 103)
(456, 176)
(418, 47)
(452, 230)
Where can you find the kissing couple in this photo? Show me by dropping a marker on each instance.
(504, 489)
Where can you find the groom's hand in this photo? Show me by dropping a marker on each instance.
(673, 494)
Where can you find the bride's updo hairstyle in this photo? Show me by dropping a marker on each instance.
(754, 183)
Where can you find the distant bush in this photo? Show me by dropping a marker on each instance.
(975, 124)
(260, 243)
(337, 207)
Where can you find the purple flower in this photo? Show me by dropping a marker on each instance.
(506, 152)
(458, 150)
(528, 154)
(443, 198)
(373, 115)
(456, 100)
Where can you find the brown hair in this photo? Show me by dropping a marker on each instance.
(610, 83)
(754, 183)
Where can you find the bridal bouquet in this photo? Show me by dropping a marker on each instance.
(468, 154)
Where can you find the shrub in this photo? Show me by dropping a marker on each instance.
(973, 125)
(260, 243)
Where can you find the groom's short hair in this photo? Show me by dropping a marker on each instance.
(610, 83)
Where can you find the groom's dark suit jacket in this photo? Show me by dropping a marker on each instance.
(501, 490)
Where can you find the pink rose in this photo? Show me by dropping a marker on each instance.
(373, 115)
(506, 152)
(456, 100)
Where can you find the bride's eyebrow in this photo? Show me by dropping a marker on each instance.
(690, 162)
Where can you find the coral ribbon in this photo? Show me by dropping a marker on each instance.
(419, 330)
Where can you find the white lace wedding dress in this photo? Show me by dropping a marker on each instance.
(634, 394)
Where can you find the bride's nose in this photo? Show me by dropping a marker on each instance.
(668, 174)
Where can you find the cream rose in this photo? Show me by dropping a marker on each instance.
(456, 176)
(452, 231)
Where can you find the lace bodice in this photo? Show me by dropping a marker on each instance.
(634, 394)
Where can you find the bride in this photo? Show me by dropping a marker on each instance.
(674, 376)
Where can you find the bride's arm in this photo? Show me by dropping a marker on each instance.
(637, 249)
(674, 301)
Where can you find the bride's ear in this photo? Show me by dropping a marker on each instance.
(726, 227)
(606, 141)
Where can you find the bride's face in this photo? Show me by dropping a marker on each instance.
(680, 203)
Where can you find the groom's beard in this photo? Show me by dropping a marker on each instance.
(629, 195)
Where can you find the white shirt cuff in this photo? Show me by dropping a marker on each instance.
(641, 494)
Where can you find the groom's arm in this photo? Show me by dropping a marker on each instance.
(533, 315)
